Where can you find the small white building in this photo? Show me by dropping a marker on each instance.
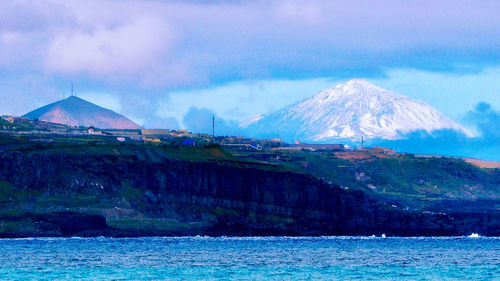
(93, 131)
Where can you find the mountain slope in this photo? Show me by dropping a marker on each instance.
(351, 110)
(75, 111)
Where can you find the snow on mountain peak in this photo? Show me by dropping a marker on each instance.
(351, 110)
(251, 120)
(356, 82)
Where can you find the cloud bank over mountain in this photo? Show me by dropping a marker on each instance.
(483, 145)
(486, 145)
(199, 120)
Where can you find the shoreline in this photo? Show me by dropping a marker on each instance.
(235, 238)
(123, 234)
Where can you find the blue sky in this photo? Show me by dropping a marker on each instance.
(154, 60)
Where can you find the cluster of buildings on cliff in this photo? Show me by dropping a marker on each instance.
(23, 125)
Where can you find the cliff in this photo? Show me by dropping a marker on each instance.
(123, 190)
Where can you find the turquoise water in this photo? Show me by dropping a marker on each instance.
(278, 258)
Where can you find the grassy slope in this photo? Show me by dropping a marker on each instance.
(401, 179)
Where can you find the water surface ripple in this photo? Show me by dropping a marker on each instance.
(252, 258)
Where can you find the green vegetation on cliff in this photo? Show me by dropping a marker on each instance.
(433, 183)
(96, 187)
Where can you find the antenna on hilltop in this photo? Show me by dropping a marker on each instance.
(64, 95)
(213, 126)
(72, 93)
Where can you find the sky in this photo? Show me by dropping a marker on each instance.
(160, 62)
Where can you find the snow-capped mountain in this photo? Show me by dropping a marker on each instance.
(350, 110)
(74, 111)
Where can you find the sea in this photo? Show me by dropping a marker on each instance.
(251, 258)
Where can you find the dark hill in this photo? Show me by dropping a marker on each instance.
(75, 111)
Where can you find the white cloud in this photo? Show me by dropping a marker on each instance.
(171, 44)
(129, 48)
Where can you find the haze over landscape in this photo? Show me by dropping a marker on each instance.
(163, 71)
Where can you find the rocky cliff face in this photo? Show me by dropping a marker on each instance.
(147, 194)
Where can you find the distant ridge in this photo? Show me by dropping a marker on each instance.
(349, 111)
(74, 111)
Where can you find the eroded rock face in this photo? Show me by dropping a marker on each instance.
(207, 198)
(53, 224)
